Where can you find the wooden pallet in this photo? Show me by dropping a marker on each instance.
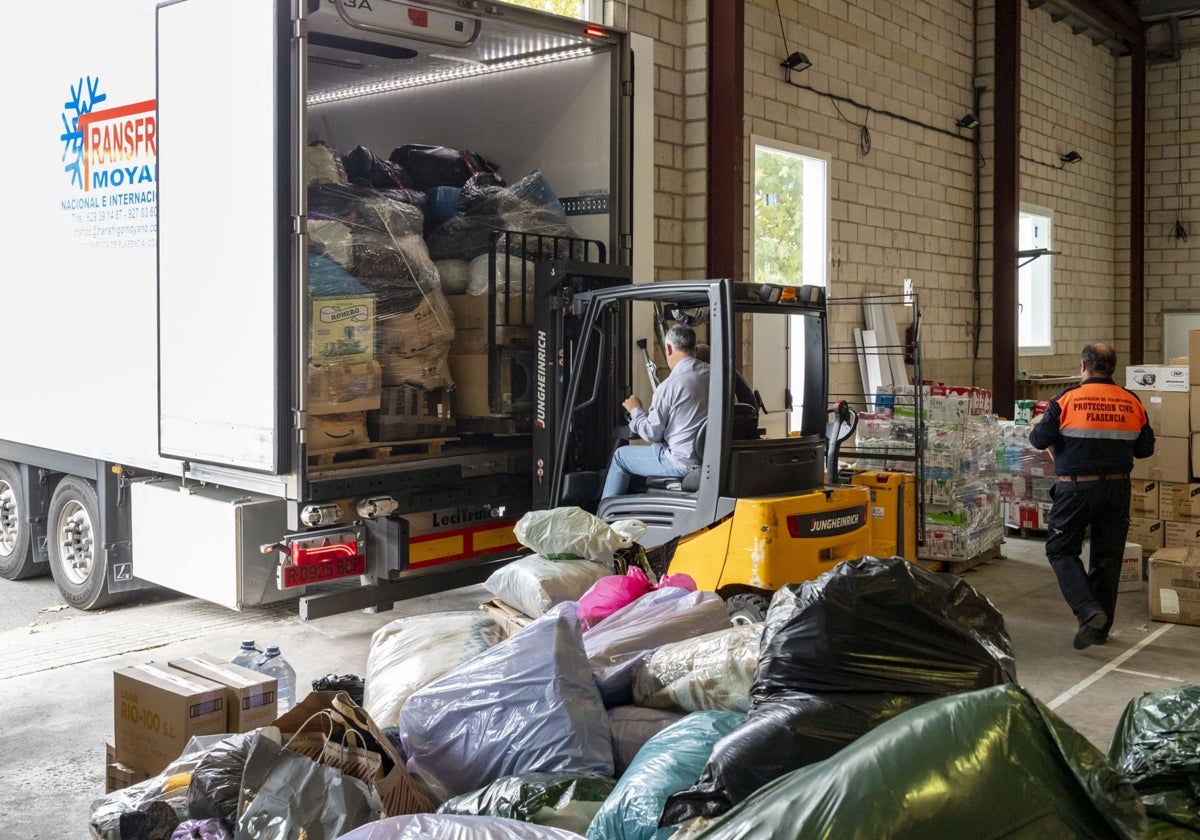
(382, 452)
(942, 564)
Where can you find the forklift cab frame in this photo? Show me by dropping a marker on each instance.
(591, 330)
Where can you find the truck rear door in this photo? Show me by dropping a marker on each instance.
(227, 99)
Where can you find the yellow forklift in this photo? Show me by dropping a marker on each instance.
(758, 513)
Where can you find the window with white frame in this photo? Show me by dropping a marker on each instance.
(1035, 280)
(789, 246)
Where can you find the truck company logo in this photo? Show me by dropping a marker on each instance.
(832, 523)
(465, 516)
(109, 157)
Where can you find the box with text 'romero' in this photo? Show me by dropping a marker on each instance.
(250, 698)
(156, 709)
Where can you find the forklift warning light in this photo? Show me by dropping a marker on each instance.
(832, 523)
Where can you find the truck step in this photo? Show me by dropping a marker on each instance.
(374, 453)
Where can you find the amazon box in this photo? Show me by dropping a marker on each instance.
(250, 696)
(1174, 583)
(157, 709)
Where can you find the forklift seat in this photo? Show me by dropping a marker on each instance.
(688, 483)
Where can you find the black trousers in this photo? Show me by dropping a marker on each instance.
(1103, 505)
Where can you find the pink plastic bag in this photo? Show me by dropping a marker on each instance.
(613, 592)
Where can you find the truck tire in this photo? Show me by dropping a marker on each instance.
(75, 544)
(747, 607)
(16, 546)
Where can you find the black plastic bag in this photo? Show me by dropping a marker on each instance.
(365, 168)
(779, 736)
(439, 166)
(840, 655)
(217, 780)
(991, 764)
(352, 684)
(1157, 746)
(886, 625)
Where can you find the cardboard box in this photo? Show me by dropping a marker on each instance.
(471, 373)
(1148, 533)
(343, 329)
(330, 431)
(1171, 461)
(251, 698)
(1175, 378)
(116, 775)
(1180, 502)
(1174, 583)
(1169, 413)
(471, 341)
(429, 370)
(470, 311)
(508, 616)
(1144, 499)
(339, 387)
(1142, 377)
(1131, 566)
(1193, 408)
(431, 325)
(156, 709)
(1193, 347)
(1179, 534)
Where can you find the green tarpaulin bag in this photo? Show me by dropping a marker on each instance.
(992, 763)
(1157, 745)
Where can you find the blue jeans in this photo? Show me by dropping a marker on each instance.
(629, 461)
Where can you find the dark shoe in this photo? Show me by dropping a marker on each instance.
(1091, 632)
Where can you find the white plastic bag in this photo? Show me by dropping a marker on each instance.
(534, 584)
(409, 653)
(572, 533)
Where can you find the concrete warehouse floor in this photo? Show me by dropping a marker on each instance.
(58, 674)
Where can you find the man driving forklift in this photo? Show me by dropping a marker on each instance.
(673, 423)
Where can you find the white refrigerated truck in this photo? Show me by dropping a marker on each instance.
(155, 319)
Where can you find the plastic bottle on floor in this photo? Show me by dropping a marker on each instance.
(247, 655)
(273, 664)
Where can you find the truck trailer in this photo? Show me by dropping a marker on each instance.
(237, 368)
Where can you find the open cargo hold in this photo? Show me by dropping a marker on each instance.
(257, 369)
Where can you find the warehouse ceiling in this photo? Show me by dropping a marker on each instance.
(1100, 21)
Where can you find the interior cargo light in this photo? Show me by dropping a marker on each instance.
(787, 293)
(462, 72)
(595, 32)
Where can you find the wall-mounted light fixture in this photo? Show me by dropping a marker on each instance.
(967, 121)
(796, 62)
(1070, 157)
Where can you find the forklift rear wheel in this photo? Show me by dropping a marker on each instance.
(16, 549)
(76, 545)
(747, 608)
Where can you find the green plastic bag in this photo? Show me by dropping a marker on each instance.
(1157, 745)
(560, 800)
(992, 763)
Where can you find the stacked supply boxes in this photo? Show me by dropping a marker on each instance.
(1025, 477)
(959, 440)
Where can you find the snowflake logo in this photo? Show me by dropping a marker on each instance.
(84, 98)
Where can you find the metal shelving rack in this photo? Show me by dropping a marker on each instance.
(910, 355)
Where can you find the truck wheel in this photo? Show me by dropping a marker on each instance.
(76, 545)
(16, 549)
(747, 608)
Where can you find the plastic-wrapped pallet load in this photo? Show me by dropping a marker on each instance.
(409, 653)
(669, 761)
(527, 705)
(534, 584)
(865, 642)
(986, 764)
(714, 671)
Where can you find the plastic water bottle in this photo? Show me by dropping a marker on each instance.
(248, 655)
(273, 664)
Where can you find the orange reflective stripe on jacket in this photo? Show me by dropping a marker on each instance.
(1100, 410)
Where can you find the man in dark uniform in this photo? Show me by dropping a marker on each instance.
(1094, 430)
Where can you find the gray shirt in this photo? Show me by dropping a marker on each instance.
(678, 410)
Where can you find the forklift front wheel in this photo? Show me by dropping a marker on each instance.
(747, 607)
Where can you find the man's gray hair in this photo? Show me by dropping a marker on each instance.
(682, 338)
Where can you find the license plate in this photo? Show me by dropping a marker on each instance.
(320, 572)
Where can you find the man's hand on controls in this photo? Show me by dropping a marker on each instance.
(632, 403)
